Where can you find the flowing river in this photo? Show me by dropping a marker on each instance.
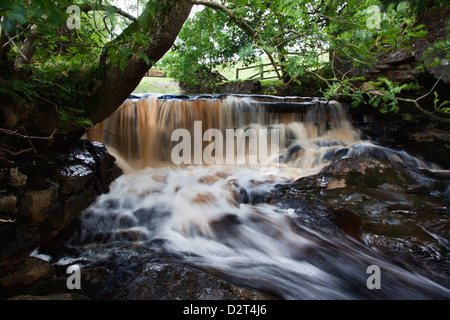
(209, 210)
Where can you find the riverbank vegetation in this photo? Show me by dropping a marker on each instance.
(335, 42)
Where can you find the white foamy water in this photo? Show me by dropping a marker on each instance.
(200, 214)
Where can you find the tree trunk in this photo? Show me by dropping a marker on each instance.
(163, 29)
(160, 21)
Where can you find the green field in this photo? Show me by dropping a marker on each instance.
(169, 86)
(157, 85)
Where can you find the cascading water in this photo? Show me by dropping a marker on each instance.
(214, 217)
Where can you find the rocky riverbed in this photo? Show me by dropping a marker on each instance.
(395, 210)
(389, 210)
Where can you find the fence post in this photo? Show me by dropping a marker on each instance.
(237, 73)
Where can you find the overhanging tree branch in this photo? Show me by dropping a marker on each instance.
(415, 102)
(243, 25)
(100, 86)
(104, 7)
(419, 107)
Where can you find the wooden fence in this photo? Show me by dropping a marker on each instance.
(155, 73)
(260, 72)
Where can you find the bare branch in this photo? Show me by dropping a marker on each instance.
(28, 50)
(10, 40)
(429, 114)
(432, 89)
(320, 77)
(104, 7)
(3, 150)
(11, 132)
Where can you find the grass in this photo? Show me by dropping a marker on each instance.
(169, 86)
(157, 85)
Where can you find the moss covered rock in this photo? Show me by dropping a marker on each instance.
(374, 173)
(386, 204)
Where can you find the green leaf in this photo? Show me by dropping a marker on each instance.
(5, 5)
(18, 14)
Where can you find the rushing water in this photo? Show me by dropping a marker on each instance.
(214, 217)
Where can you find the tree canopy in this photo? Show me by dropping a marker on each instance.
(304, 37)
(296, 32)
(66, 65)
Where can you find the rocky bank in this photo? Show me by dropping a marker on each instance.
(40, 197)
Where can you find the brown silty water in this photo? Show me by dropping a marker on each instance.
(141, 130)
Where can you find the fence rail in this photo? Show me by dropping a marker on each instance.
(155, 73)
(260, 72)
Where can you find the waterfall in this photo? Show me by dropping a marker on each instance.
(214, 217)
(141, 130)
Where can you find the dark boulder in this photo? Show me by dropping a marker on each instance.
(390, 206)
(42, 199)
(175, 282)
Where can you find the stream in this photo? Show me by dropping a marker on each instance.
(215, 216)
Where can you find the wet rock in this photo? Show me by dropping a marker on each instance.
(374, 173)
(16, 178)
(94, 281)
(367, 172)
(18, 240)
(292, 153)
(8, 203)
(73, 178)
(75, 204)
(34, 202)
(387, 205)
(104, 161)
(53, 216)
(50, 196)
(85, 163)
(421, 137)
(77, 153)
(160, 281)
(174, 282)
(54, 286)
(335, 154)
(26, 272)
(61, 296)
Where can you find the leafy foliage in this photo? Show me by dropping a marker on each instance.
(303, 37)
(207, 41)
(52, 63)
(62, 66)
(299, 34)
(382, 94)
